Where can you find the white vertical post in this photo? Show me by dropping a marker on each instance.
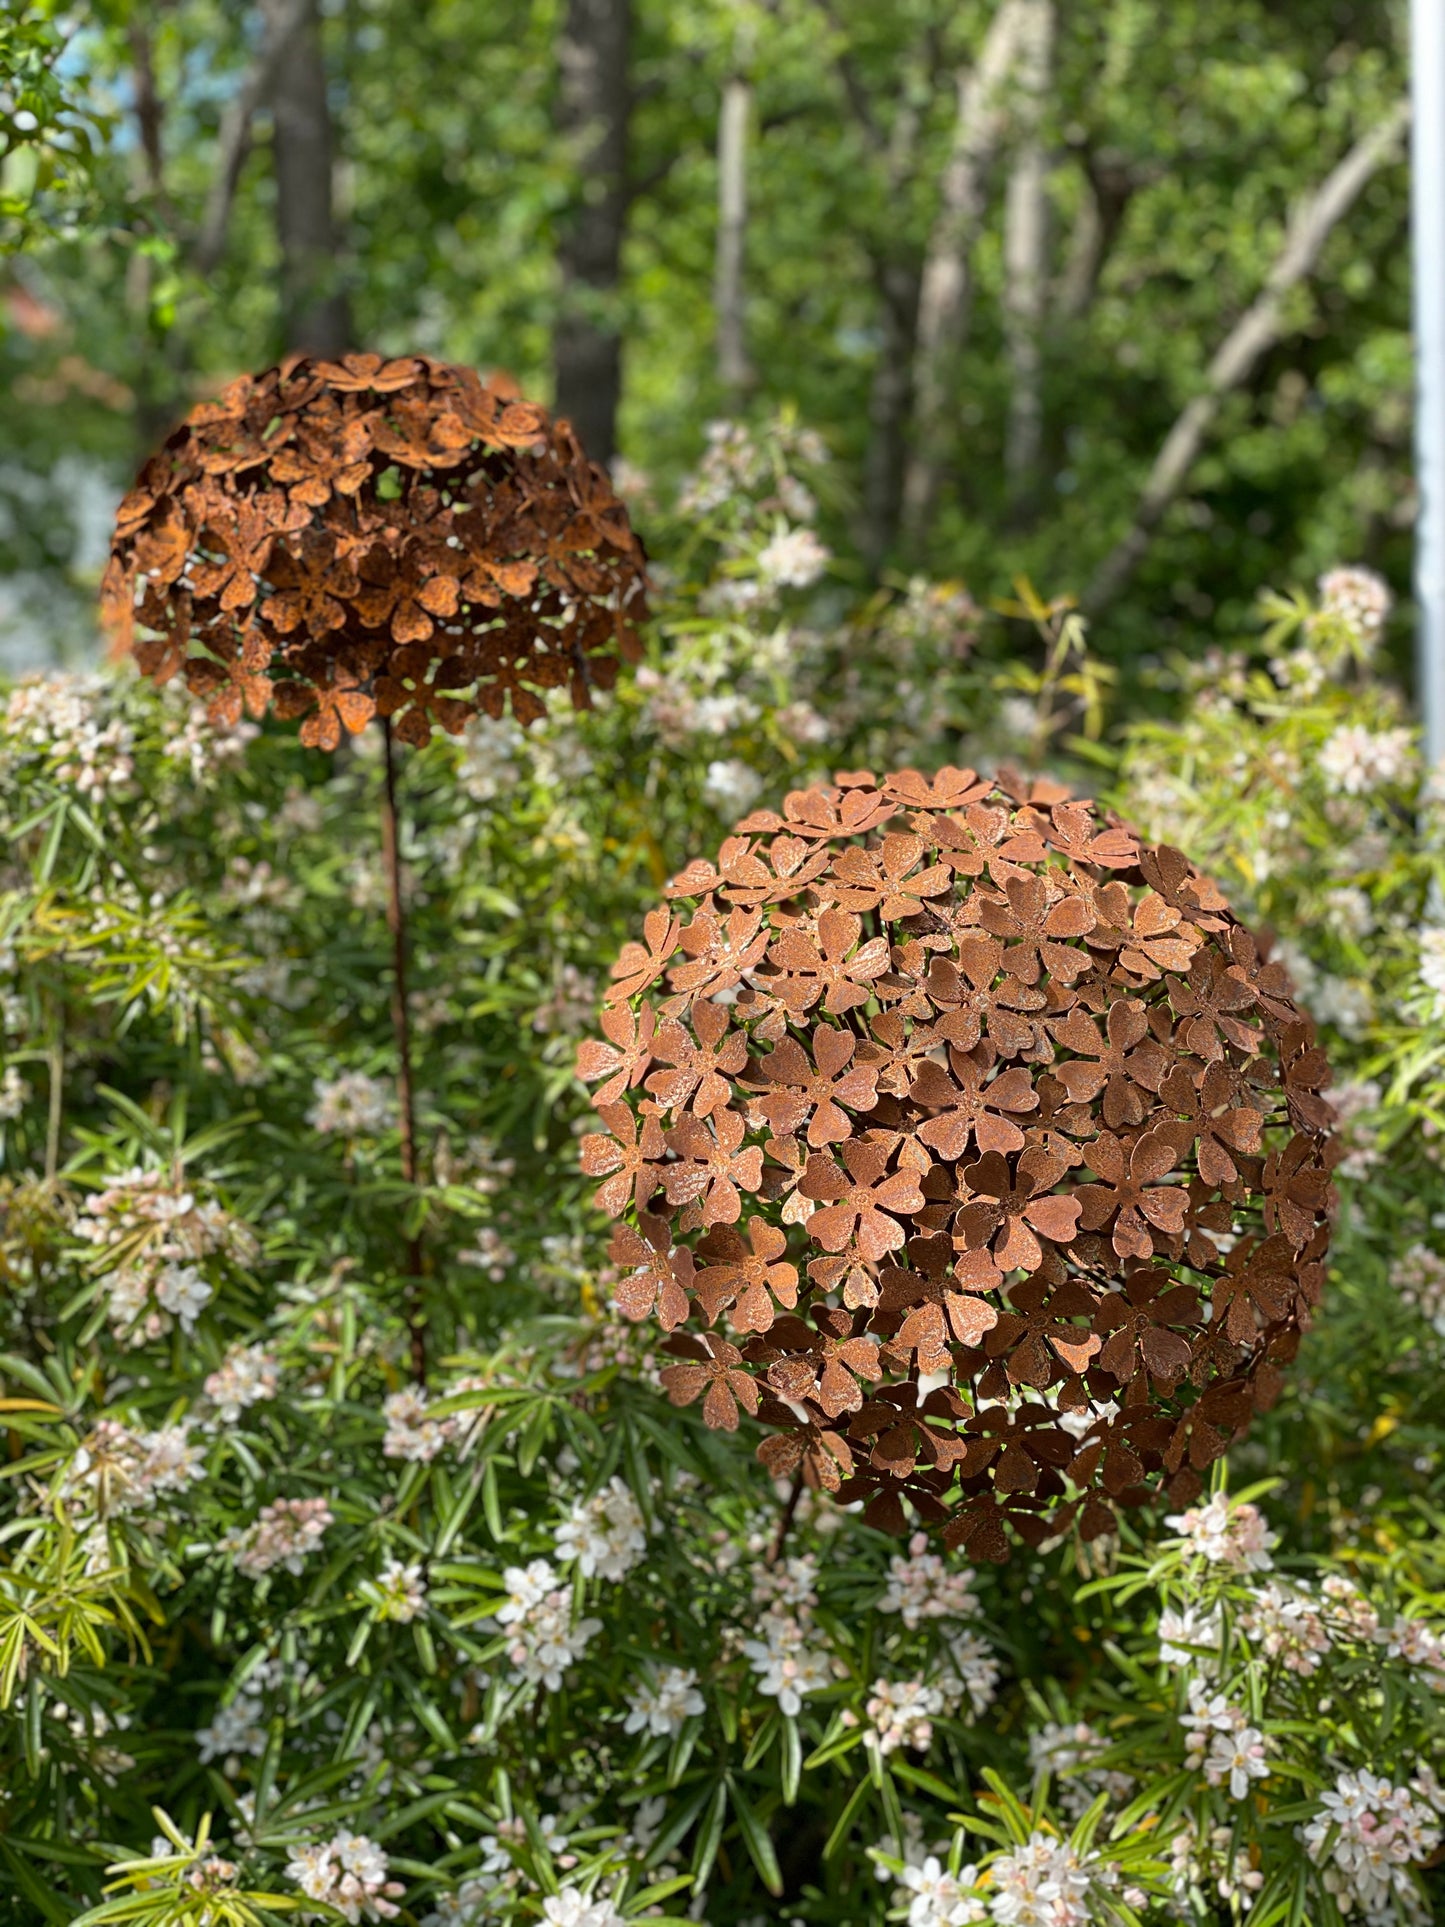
(1427, 235)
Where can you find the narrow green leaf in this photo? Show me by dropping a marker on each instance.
(759, 1844)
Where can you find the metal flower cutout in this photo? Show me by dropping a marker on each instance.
(972, 1144)
(348, 539)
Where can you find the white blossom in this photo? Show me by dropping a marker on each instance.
(606, 1534)
(792, 1582)
(903, 1712)
(403, 1591)
(282, 1534)
(172, 1462)
(787, 1668)
(1354, 760)
(182, 1291)
(1235, 1537)
(492, 752)
(411, 1432)
(543, 1642)
(1065, 1752)
(489, 1252)
(716, 714)
(974, 1669)
(465, 1906)
(1351, 1615)
(1236, 1758)
(347, 1872)
(922, 1587)
(731, 787)
(1221, 1743)
(570, 1907)
(661, 1705)
(793, 559)
(1047, 1883)
(1182, 1631)
(247, 1375)
(801, 723)
(1357, 598)
(1379, 1831)
(202, 745)
(1287, 1624)
(527, 1586)
(1419, 1277)
(939, 1899)
(740, 460)
(1349, 911)
(236, 1730)
(1345, 1002)
(155, 1227)
(1432, 964)
(15, 1094)
(59, 716)
(115, 1470)
(1418, 1645)
(353, 1104)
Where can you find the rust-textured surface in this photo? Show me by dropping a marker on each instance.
(345, 539)
(969, 1145)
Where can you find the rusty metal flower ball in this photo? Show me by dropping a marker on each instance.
(346, 539)
(968, 1144)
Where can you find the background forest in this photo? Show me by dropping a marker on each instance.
(994, 258)
(1009, 383)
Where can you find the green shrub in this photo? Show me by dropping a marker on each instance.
(528, 1643)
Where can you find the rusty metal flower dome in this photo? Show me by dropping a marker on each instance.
(363, 537)
(968, 1144)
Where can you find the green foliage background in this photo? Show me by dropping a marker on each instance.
(193, 952)
(1204, 124)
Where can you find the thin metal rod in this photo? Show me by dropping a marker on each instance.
(401, 1028)
(1427, 234)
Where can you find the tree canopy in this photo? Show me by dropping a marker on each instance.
(993, 254)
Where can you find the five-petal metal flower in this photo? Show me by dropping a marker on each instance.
(995, 1155)
(360, 534)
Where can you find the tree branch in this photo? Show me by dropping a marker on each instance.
(734, 370)
(1258, 329)
(943, 298)
(853, 87)
(315, 311)
(149, 113)
(593, 118)
(897, 270)
(1110, 183)
(1025, 249)
(233, 139)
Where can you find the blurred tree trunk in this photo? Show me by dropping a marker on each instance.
(943, 298)
(733, 367)
(890, 395)
(1257, 330)
(1110, 182)
(233, 137)
(593, 106)
(315, 313)
(149, 114)
(155, 380)
(1025, 248)
(889, 399)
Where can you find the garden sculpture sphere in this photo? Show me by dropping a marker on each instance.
(363, 537)
(971, 1146)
